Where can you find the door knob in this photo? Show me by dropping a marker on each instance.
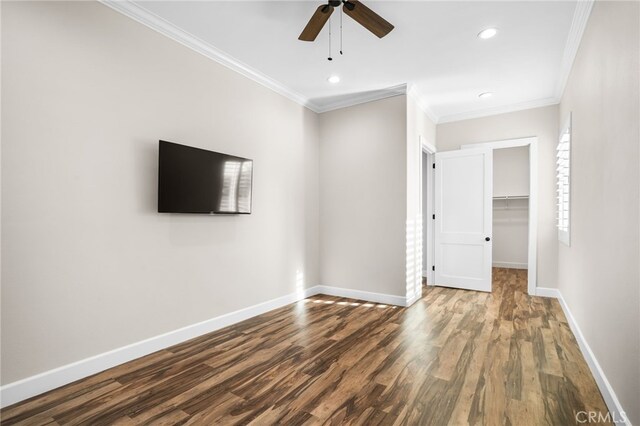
(487, 239)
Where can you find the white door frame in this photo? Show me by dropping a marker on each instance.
(428, 243)
(532, 143)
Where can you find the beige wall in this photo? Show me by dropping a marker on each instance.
(598, 274)
(511, 171)
(89, 265)
(540, 122)
(363, 176)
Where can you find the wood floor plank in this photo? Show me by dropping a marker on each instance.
(462, 409)
(455, 357)
(450, 354)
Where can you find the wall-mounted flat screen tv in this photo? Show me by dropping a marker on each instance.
(194, 180)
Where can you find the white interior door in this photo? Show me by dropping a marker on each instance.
(463, 222)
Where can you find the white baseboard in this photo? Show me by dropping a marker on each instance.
(48, 380)
(510, 265)
(386, 299)
(35, 385)
(548, 292)
(610, 398)
(410, 301)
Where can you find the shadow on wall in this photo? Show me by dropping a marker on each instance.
(146, 164)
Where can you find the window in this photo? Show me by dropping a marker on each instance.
(563, 156)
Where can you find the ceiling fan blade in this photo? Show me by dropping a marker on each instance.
(315, 24)
(367, 18)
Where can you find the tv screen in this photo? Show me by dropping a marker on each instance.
(193, 180)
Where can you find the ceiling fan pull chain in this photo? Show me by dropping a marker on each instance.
(330, 58)
(341, 12)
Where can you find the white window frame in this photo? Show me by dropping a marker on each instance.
(563, 184)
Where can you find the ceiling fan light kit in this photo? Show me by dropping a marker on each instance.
(352, 8)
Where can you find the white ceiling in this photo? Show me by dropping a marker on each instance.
(434, 48)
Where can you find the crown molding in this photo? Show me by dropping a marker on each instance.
(576, 31)
(422, 103)
(166, 28)
(578, 25)
(537, 103)
(156, 23)
(363, 97)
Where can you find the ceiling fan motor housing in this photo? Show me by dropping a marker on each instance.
(335, 3)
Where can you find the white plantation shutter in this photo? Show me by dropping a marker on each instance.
(563, 170)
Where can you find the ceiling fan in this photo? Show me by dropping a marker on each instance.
(353, 8)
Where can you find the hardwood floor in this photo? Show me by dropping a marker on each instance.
(455, 357)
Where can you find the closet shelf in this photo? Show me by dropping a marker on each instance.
(507, 199)
(512, 197)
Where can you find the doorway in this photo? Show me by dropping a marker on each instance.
(427, 161)
(515, 205)
(510, 207)
(428, 206)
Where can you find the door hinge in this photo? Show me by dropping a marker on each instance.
(434, 165)
(434, 216)
(433, 268)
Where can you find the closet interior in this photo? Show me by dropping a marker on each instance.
(510, 207)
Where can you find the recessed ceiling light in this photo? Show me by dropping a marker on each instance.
(334, 79)
(488, 33)
(485, 95)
